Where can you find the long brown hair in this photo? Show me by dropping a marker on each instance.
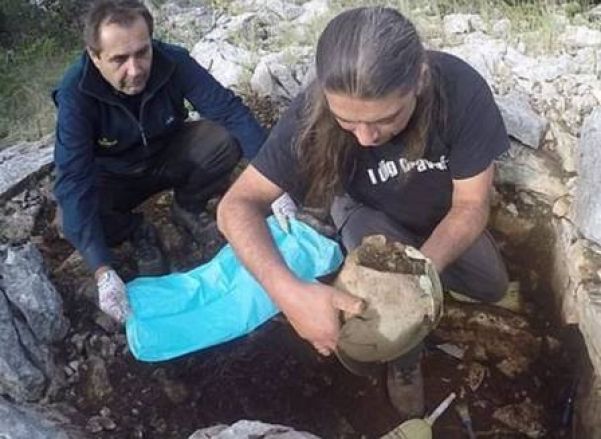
(366, 53)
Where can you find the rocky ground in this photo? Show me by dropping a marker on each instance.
(515, 371)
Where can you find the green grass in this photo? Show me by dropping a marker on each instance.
(27, 76)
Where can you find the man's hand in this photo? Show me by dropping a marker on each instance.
(112, 297)
(315, 314)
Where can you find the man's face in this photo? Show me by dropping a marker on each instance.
(125, 56)
(373, 122)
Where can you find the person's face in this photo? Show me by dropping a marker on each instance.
(373, 122)
(125, 55)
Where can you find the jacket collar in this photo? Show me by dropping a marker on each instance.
(93, 84)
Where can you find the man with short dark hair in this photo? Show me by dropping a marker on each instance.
(122, 136)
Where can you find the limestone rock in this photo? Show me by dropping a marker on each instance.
(183, 23)
(27, 287)
(96, 379)
(19, 378)
(456, 24)
(26, 363)
(23, 162)
(588, 410)
(18, 216)
(275, 76)
(527, 170)
(501, 28)
(565, 147)
(581, 36)
(481, 52)
(588, 193)
(251, 429)
(312, 10)
(227, 63)
(35, 422)
(525, 417)
(521, 121)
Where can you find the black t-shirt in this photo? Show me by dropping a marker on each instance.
(416, 193)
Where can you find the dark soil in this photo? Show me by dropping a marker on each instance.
(271, 375)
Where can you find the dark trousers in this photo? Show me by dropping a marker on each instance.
(195, 162)
(478, 273)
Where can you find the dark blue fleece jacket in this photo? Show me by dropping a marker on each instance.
(95, 130)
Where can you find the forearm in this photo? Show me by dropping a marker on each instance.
(243, 224)
(454, 234)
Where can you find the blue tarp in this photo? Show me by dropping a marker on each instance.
(180, 313)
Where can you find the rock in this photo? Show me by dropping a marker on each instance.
(456, 24)
(285, 10)
(249, 430)
(24, 281)
(565, 147)
(176, 391)
(275, 76)
(527, 170)
(35, 422)
(543, 68)
(561, 208)
(594, 14)
(501, 28)
(229, 64)
(525, 417)
(19, 378)
(581, 36)
(481, 52)
(588, 192)
(312, 10)
(521, 121)
(516, 228)
(18, 216)
(251, 30)
(27, 367)
(587, 414)
(589, 318)
(182, 23)
(476, 373)
(22, 163)
(508, 339)
(96, 379)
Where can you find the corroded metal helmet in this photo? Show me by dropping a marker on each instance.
(403, 296)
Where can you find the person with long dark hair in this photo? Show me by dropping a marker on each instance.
(399, 141)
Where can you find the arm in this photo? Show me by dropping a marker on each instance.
(76, 194)
(464, 222)
(221, 105)
(75, 185)
(311, 308)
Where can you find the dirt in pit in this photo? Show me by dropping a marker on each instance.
(516, 375)
(273, 376)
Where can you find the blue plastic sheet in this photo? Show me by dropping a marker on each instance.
(180, 313)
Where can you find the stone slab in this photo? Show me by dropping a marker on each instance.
(21, 163)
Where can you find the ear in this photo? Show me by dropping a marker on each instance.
(94, 55)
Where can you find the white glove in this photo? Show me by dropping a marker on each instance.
(283, 209)
(112, 298)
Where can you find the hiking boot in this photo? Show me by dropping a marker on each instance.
(148, 251)
(405, 385)
(201, 227)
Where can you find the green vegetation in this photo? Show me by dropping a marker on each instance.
(40, 38)
(37, 41)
